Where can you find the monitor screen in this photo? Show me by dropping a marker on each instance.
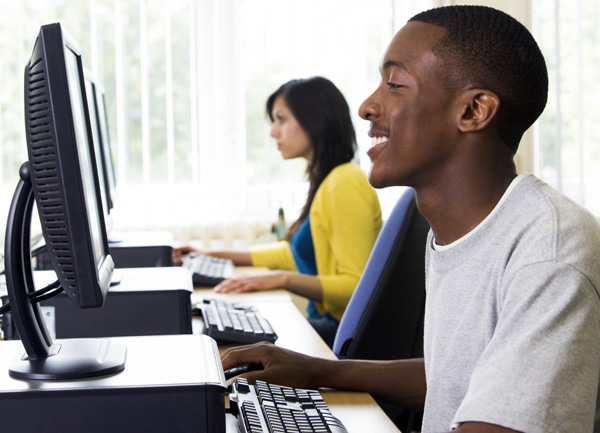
(61, 176)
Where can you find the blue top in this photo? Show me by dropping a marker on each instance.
(303, 249)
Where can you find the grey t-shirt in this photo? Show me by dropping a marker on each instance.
(512, 322)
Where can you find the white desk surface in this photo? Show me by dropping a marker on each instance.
(357, 410)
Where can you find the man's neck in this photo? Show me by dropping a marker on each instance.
(456, 207)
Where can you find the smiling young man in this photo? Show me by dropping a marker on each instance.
(512, 324)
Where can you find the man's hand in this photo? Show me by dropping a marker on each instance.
(280, 366)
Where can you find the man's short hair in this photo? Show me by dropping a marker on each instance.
(486, 48)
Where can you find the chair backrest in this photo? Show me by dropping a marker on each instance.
(384, 318)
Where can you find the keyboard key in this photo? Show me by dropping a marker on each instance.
(264, 410)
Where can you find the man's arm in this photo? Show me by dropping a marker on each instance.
(399, 382)
(482, 427)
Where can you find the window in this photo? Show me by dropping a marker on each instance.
(568, 138)
(186, 83)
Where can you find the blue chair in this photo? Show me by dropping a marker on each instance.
(384, 318)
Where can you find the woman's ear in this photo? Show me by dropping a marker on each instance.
(478, 108)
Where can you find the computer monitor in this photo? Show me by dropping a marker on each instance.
(100, 140)
(61, 177)
(110, 174)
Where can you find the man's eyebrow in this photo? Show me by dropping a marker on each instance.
(390, 63)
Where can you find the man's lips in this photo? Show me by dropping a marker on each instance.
(377, 142)
(378, 139)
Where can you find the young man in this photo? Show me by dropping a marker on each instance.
(512, 326)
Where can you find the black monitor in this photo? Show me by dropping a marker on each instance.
(110, 174)
(102, 150)
(61, 177)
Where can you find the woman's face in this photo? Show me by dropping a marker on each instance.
(292, 140)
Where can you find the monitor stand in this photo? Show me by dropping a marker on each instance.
(45, 359)
(170, 383)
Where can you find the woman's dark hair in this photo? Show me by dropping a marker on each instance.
(486, 48)
(323, 113)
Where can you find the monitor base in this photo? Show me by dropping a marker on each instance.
(76, 358)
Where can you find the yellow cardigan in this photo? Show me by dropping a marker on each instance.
(345, 219)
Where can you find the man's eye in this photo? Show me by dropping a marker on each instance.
(394, 85)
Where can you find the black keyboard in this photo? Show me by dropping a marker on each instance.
(229, 322)
(264, 407)
(207, 270)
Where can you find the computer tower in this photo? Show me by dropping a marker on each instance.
(141, 249)
(137, 256)
(128, 250)
(171, 383)
(146, 301)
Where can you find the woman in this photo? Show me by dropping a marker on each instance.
(326, 249)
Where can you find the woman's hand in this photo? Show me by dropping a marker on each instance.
(308, 286)
(253, 283)
(180, 253)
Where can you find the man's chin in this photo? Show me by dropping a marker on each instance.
(377, 181)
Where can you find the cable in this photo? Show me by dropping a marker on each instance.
(40, 295)
(46, 289)
(36, 251)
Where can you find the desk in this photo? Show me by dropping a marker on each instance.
(357, 410)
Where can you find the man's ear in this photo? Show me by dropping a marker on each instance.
(478, 108)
